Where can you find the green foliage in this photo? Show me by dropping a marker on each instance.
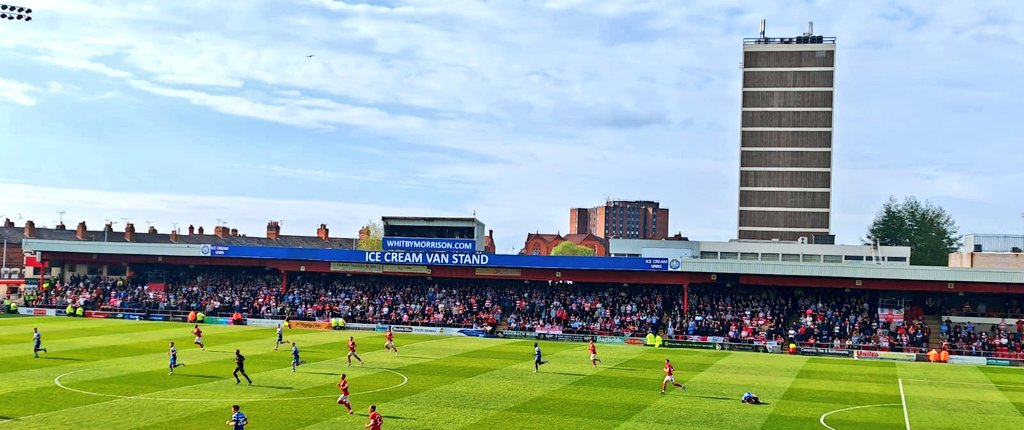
(927, 229)
(569, 248)
(373, 240)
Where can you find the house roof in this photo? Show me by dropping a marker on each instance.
(543, 236)
(16, 234)
(583, 237)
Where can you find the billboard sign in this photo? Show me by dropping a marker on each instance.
(428, 244)
(430, 258)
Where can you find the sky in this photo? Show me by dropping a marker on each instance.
(210, 112)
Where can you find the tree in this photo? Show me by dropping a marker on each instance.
(569, 248)
(929, 231)
(370, 237)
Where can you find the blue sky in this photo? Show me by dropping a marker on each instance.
(190, 112)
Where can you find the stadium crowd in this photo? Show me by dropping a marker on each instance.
(94, 292)
(832, 318)
(973, 339)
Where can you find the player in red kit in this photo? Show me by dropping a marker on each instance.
(352, 352)
(670, 377)
(199, 337)
(376, 421)
(389, 341)
(593, 354)
(343, 400)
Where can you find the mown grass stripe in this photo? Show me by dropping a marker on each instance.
(222, 386)
(457, 382)
(938, 404)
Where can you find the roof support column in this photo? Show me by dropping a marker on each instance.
(686, 301)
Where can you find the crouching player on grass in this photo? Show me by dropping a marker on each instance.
(751, 399)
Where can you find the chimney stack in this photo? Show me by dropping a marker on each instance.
(200, 231)
(8, 222)
(323, 232)
(80, 231)
(221, 231)
(273, 230)
(152, 230)
(30, 229)
(234, 232)
(129, 232)
(61, 227)
(174, 236)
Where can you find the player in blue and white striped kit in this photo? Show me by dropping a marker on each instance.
(280, 337)
(537, 361)
(295, 357)
(238, 419)
(37, 342)
(750, 398)
(174, 359)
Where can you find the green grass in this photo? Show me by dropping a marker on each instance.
(116, 377)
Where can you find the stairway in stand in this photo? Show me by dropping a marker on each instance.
(935, 340)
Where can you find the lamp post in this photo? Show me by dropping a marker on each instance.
(15, 13)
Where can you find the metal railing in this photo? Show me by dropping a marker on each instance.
(798, 40)
(961, 313)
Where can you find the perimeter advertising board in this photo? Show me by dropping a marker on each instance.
(532, 335)
(672, 343)
(884, 355)
(826, 352)
(965, 359)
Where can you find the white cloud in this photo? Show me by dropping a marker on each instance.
(548, 105)
(106, 95)
(88, 66)
(18, 92)
(411, 180)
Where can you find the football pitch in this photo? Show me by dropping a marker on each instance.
(112, 374)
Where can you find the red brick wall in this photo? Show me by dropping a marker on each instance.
(579, 221)
(661, 229)
(597, 218)
(543, 246)
(15, 258)
(599, 249)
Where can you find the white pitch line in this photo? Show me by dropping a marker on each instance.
(906, 416)
(979, 384)
(405, 380)
(826, 414)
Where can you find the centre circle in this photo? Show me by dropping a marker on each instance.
(57, 381)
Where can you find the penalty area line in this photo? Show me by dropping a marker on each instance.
(826, 414)
(977, 384)
(903, 397)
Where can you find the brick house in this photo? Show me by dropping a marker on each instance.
(543, 243)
